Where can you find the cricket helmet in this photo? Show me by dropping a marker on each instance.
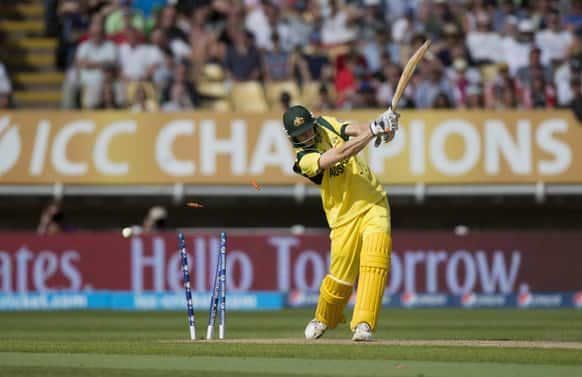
(297, 120)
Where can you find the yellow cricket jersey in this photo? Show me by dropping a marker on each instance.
(348, 188)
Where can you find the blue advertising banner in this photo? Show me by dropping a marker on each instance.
(136, 301)
(269, 300)
(298, 299)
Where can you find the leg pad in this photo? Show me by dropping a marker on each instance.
(374, 267)
(333, 297)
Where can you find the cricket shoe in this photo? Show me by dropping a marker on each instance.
(315, 329)
(363, 332)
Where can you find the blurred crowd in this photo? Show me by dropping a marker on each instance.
(53, 220)
(173, 55)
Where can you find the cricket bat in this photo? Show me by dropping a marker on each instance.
(407, 73)
(405, 78)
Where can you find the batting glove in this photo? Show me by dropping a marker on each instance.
(389, 120)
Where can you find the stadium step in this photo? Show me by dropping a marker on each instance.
(38, 78)
(32, 10)
(38, 99)
(29, 56)
(27, 27)
(26, 58)
(32, 43)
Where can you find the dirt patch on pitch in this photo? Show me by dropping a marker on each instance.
(392, 342)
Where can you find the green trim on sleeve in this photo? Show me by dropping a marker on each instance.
(317, 179)
(343, 132)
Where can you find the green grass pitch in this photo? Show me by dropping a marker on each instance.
(410, 343)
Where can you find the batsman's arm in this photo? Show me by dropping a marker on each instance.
(361, 136)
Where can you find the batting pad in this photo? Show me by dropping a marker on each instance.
(374, 267)
(333, 297)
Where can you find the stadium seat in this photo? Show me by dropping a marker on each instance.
(310, 93)
(334, 51)
(275, 89)
(488, 72)
(132, 88)
(212, 88)
(212, 72)
(220, 105)
(248, 96)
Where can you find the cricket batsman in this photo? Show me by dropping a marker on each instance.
(357, 212)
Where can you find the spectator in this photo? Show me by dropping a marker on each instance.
(326, 102)
(51, 18)
(317, 62)
(166, 34)
(156, 220)
(277, 65)
(112, 87)
(120, 37)
(442, 102)
(294, 28)
(163, 74)
(243, 60)
(181, 76)
(405, 27)
(452, 41)
(499, 90)
(257, 23)
(114, 21)
(370, 20)
(387, 81)
(200, 38)
(138, 61)
(179, 99)
(5, 88)
(92, 56)
(568, 72)
(142, 101)
(483, 43)
(504, 12)
(5, 101)
(476, 12)
(394, 9)
(460, 83)
(576, 103)
(51, 220)
(73, 21)
(474, 97)
(360, 63)
(346, 83)
(285, 101)
(540, 12)
(524, 75)
(554, 41)
(372, 46)
(517, 51)
(538, 93)
(168, 24)
(573, 17)
(437, 17)
(108, 99)
(433, 83)
(508, 99)
(339, 27)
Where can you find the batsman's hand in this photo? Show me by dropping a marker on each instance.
(385, 127)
